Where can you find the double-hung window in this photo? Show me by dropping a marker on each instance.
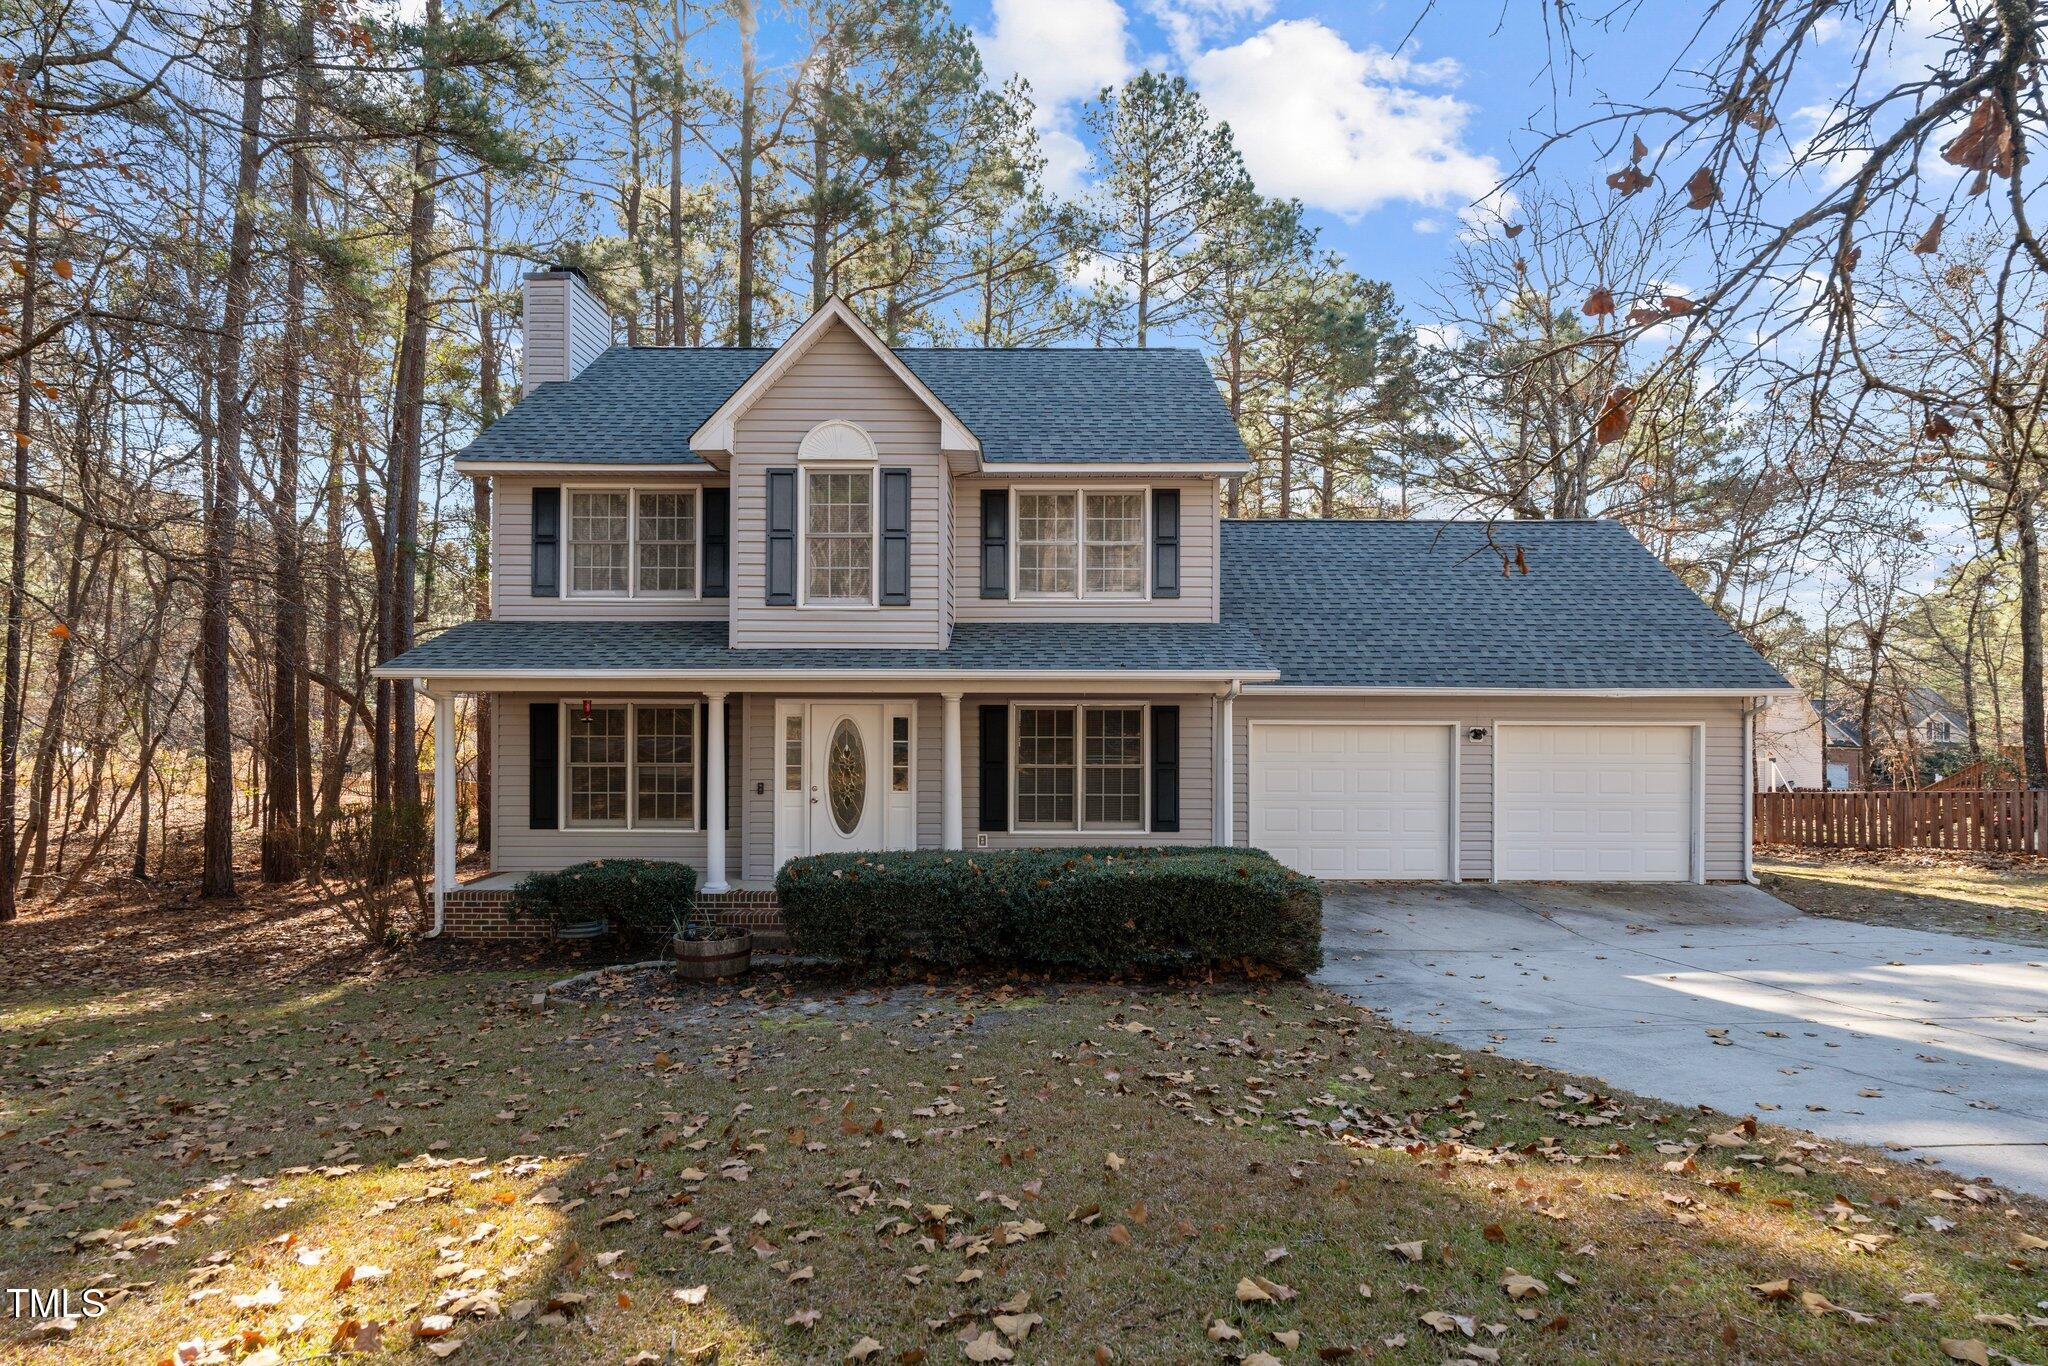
(1080, 543)
(839, 537)
(631, 765)
(1080, 768)
(633, 543)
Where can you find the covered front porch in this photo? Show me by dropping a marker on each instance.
(736, 781)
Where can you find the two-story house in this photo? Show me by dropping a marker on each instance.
(754, 604)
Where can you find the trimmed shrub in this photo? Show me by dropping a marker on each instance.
(642, 899)
(1101, 909)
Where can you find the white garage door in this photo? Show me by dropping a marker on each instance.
(1344, 801)
(1595, 803)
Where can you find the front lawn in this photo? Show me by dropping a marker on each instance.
(802, 1170)
(1995, 896)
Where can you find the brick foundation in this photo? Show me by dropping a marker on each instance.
(472, 913)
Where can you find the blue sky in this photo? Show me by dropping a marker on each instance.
(1386, 140)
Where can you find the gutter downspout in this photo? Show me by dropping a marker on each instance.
(1749, 711)
(1225, 812)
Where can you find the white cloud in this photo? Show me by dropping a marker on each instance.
(1189, 24)
(1067, 49)
(1427, 226)
(1343, 129)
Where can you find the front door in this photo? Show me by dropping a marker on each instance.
(848, 764)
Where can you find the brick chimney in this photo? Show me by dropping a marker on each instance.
(564, 328)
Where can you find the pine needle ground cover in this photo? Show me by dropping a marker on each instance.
(819, 1170)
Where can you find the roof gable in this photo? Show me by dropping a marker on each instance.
(715, 435)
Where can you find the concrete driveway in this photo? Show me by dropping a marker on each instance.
(1933, 1045)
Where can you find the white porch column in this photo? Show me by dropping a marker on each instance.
(1226, 776)
(444, 800)
(949, 772)
(714, 794)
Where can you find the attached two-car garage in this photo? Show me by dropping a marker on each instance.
(1592, 801)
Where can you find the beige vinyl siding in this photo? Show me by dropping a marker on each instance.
(512, 596)
(1200, 583)
(1197, 775)
(838, 378)
(517, 848)
(1720, 717)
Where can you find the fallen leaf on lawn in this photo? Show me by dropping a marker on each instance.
(1520, 1287)
(988, 1347)
(1774, 1290)
(448, 1347)
(1274, 1254)
(1219, 1331)
(1113, 1162)
(2033, 1244)
(1261, 1359)
(1290, 1339)
(1971, 1350)
(1413, 1252)
(693, 1294)
(354, 1274)
(1250, 1291)
(269, 1295)
(1450, 1323)
(1016, 1327)
(862, 1350)
(802, 1318)
(1920, 1299)
(434, 1326)
(1998, 1321)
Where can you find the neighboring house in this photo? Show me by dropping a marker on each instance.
(1846, 768)
(1935, 720)
(753, 604)
(1788, 744)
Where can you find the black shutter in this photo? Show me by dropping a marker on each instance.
(543, 765)
(717, 541)
(1166, 543)
(1166, 770)
(782, 538)
(547, 543)
(895, 538)
(995, 768)
(995, 543)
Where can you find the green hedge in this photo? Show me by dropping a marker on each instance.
(641, 898)
(1103, 909)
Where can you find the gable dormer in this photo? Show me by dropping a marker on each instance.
(841, 463)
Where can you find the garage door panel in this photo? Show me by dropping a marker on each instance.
(1595, 803)
(1353, 801)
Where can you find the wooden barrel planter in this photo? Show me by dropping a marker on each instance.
(706, 959)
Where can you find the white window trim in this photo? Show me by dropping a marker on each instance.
(568, 710)
(804, 601)
(633, 589)
(1081, 493)
(1081, 825)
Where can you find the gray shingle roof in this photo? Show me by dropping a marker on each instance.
(639, 405)
(1331, 604)
(1022, 647)
(1425, 605)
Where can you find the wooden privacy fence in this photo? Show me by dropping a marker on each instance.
(2003, 821)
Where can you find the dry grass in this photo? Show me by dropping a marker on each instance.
(1991, 895)
(832, 1165)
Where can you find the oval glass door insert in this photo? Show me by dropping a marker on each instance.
(846, 776)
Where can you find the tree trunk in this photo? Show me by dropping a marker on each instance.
(675, 179)
(217, 873)
(2033, 732)
(281, 775)
(330, 638)
(17, 568)
(743, 304)
(402, 501)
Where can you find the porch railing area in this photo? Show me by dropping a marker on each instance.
(1991, 820)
